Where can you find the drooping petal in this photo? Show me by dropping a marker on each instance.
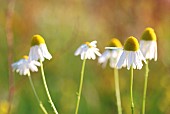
(45, 51)
(93, 56)
(79, 50)
(39, 52)
(155, 51)
(149, 49)
(96, 51)
(104, 56)
(122, 59)
(83, 56)
(24, 66)
(130, 60)
(103, 59)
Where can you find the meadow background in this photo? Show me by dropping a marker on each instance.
(65, 25)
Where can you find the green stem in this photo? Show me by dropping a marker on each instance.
(145, 87)
(131, 90)
(46, 88)
(35, 93)
(117, 91)
(80, 87)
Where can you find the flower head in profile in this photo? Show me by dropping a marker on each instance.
(148, 44)
(111, 53)
(38, 49)
(131, 55)
(23, 66)
(88, 50)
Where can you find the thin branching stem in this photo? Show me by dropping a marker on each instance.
(131, 90)
(46, 89)
(80, 87)
(117, 91)
(145, 87)
(36, 95)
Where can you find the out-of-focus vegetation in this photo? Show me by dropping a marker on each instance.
(66, 24)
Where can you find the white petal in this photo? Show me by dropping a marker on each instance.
(141, 57)
(45, 51)
(33, 54)
(149, 49)
(33, 68)
(92, 54)
(113, 62)
(35, 63)
(78, 51)
(40, 55)
(155, 51)
(88, 56)
(96, 51)
(104, 56)
(93, 43)
(83, 55)
(129, 60)
(121, 60)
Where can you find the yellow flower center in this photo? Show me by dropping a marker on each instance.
(25, 57)
(115, 43)
(88, 44)
(149, 34)
(37, 40)
(131, 44)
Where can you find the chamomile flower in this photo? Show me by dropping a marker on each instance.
(131, 55)
(148, 44)
(88, 50)
(111, 53)
(24, 66)
(38, 49)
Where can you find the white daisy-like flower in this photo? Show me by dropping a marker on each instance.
(24, 66)
(148, 44)
(111, 53)
(88, 50)
(38, 49)
(131, 56)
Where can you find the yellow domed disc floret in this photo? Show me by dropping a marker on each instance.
(131, 44)
(37, 40)
(148, 34)
(25, 57)
(115, 43)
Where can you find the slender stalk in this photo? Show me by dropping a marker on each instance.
(35, 93)
(80, 87)
(131, 90)
(145, 87)
(46, 88)
(117, 91)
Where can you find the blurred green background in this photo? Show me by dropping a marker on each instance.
(65, 25)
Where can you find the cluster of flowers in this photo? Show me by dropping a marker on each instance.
(132, 54)
(38, 51)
